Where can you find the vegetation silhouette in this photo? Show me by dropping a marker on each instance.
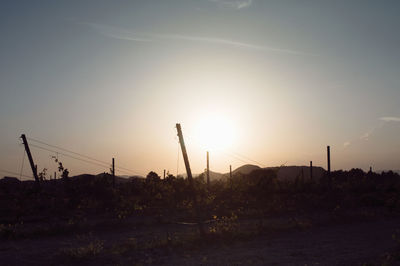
(73, 205)
(259, 192)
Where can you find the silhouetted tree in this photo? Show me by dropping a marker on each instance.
(153, 176)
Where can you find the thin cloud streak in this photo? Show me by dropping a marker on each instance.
(383, 120)
(228, 43)
(121, 34)
(390, 119)
(236, 4)
(116, 33)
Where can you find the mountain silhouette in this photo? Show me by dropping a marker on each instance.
(245, 169)
(283, 172)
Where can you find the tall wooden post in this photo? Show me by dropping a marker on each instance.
(311, 177)
(230, 177)
(28, 152)
(208, 170)
(164, 174)
(328, 150)
(190, 178)
(184, 154)
(113, 171)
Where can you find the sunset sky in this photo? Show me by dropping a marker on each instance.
(272, 82)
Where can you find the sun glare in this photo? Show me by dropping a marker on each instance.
(215, 132)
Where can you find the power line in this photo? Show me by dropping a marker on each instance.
(235, 155)
(98, 162)
(69, 151)
(83, 160)
(247, 158)
(67, 155)
(14, 173)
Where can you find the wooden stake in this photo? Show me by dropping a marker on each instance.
(208, 171)
(230, 176)
(328, 150)
(113, 171)
(311, 177)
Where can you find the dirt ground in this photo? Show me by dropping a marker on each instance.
(362, 242)
(350, 244)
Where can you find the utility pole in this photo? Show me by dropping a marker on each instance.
(113, 171)
(208, 171)
(328, 151)
(190, 178)
(28, 152)
(311, 177)
(164, 174)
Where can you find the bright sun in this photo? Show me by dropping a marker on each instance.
(215, 132)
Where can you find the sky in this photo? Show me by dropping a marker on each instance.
(252, 81)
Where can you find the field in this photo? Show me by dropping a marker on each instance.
(347, 218)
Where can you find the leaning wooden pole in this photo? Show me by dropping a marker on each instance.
(28, 152)
(190, 178)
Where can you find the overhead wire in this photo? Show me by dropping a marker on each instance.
(103, 164)
(96, 161)
(73, 157)
(14, 173)
(245, 157)
(66, 150)
(235, 155)
(67, 155)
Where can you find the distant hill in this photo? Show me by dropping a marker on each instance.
(9, 180)
(245, 169)
(284, 172)
(215, 176)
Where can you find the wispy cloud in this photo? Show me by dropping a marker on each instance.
(116, 33)
(366, 135)
(346, 144)
(236, 4)
(390, 119)
(123, 34)
(227, 42)
(383, 121)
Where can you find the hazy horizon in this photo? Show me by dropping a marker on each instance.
(272, 82)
